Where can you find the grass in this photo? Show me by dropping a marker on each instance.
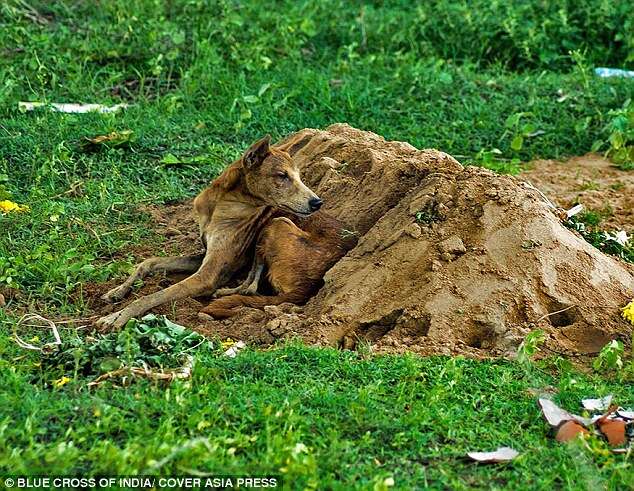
(319, 418)
(494, 83)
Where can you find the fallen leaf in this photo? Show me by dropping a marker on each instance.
(171, 159)
(113, 139)
(597, 404)
(614, 430)
(556, 416)
(3, 302)
(570, 430)
(502, 454)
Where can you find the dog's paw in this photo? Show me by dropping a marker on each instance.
(115, 295)
(223, 292)
(113, 321)
(252, 289)
(205, 317)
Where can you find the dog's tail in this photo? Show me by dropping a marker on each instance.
(225, 307)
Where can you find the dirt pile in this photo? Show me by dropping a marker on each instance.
(449, 260)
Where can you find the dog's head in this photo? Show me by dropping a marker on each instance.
(272, 176)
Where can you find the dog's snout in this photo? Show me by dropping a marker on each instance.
(315, 204)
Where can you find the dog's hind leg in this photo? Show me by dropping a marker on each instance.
(153, 265)
(250, 285)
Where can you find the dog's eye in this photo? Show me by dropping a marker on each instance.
(283, 175)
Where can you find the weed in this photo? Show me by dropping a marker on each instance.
(152, 342)
(428, 214)
(617, 244)
(620, 141)
(610, 357)
(530, 345)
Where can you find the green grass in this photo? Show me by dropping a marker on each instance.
(204, 79)
(317, 417)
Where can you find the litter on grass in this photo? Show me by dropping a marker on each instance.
(556, 416)
(71, 108)
(613, 72)
(597, 404)
(502, 454)
(569, 430)
(614, 424)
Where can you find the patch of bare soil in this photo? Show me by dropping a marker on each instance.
(450, 260)
(591, 180)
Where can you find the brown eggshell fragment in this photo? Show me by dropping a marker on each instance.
(614, 431)
(570, 430)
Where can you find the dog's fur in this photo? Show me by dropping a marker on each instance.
(296, 254)
(259, 197)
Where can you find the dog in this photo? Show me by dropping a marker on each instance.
(258, 207)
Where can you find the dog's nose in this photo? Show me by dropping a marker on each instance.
(315, 204)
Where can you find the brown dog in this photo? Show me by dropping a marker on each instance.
(296, 253)
(245, 202)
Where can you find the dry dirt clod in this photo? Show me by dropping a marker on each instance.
(453, 245)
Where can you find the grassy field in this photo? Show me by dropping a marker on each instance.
(204, 79)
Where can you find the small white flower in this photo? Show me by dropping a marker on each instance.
(621, 237)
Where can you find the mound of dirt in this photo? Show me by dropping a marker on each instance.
(450, 260)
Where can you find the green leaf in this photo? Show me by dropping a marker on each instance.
(308, 27)
(517, 143)
(263, 89)
(170, 159)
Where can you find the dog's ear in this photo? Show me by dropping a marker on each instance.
(256, 153)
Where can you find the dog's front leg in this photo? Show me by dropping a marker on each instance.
(181, 264)
(205, 281)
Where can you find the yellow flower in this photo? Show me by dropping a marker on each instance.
(227, 344)
(628, 312)
(7, 206)
(60, 382)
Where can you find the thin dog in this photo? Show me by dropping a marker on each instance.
(258, 198)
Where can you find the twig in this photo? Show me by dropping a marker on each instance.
(553, 313)
(183, 372)
(29, 317)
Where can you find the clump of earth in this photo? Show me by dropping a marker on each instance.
(450, 260)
